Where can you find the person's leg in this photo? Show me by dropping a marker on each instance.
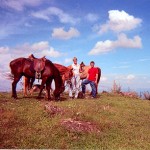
(71, 87)
(77, 87)
(93, 86)
(84, 83)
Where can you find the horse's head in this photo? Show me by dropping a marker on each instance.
(67, 75)
(82, 66)
(58, 92)
(39, 65)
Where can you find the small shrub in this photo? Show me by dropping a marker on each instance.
(132, 94)
(146, 95)
(116, 88)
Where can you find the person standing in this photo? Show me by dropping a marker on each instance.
(75, 81)
(91, 79)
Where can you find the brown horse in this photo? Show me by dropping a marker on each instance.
(65, 73)
(84, 72)
(39, 68)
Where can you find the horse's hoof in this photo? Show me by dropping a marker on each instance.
(24, 96)
(38, 97)
(49, 99)
(14, 97)
(57, 99)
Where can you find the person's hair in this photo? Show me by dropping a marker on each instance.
(74, 58)
(92, 62)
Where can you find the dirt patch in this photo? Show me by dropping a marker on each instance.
(79, 126)
(53, 110)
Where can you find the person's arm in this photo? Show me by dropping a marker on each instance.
(96, 78)
(88, 74)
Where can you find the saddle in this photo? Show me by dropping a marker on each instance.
(38, 65)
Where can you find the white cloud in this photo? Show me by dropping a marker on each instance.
(4, 62)
(60, 33)
(40, 46)
(130, 77)
(121, 67)
(4, 50)
(19, 5)
(144, 59)
(51, 52)
(103, 79)
(51, 12)
(119, 21)
(39, 49)
(124, 78)
(68, 60)
(122, 42)
(91, 17)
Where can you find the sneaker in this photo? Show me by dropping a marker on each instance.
(71, 98)
(93, 97)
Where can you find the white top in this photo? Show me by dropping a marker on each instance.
(75, 69)
(38, 82)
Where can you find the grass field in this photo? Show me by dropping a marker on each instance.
(110, 122)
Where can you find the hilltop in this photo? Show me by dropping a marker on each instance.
(109, 122)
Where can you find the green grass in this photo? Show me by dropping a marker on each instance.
(124, 123)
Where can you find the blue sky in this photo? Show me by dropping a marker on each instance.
(115, 34)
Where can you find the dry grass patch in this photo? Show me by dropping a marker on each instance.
(79, 126)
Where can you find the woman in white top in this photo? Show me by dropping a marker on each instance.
(75, 79)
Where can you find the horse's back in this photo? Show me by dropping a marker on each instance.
(62, 69)
(16, 65)
(17, 60)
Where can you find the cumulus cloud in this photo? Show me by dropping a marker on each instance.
(119, 21)
(19, 5)
(103, 79)
(60, 33)
(91, 17)
(43, 45)
(39, 49)
(130, 77)
(122, 42)
(51, 52)
(51, 12)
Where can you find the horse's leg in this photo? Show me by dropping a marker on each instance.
(26, 84)
(31, 83)
(48, 87)
(42, 87)
(14, 84)
(97, 88)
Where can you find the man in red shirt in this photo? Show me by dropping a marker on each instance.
(91, 79)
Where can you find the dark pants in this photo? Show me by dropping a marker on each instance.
(92, 84)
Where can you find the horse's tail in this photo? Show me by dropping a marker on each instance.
(9, 76)
(99, 74)
(11, 66)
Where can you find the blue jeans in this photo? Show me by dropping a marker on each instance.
(92, 84)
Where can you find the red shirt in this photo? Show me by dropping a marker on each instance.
(92, 74)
